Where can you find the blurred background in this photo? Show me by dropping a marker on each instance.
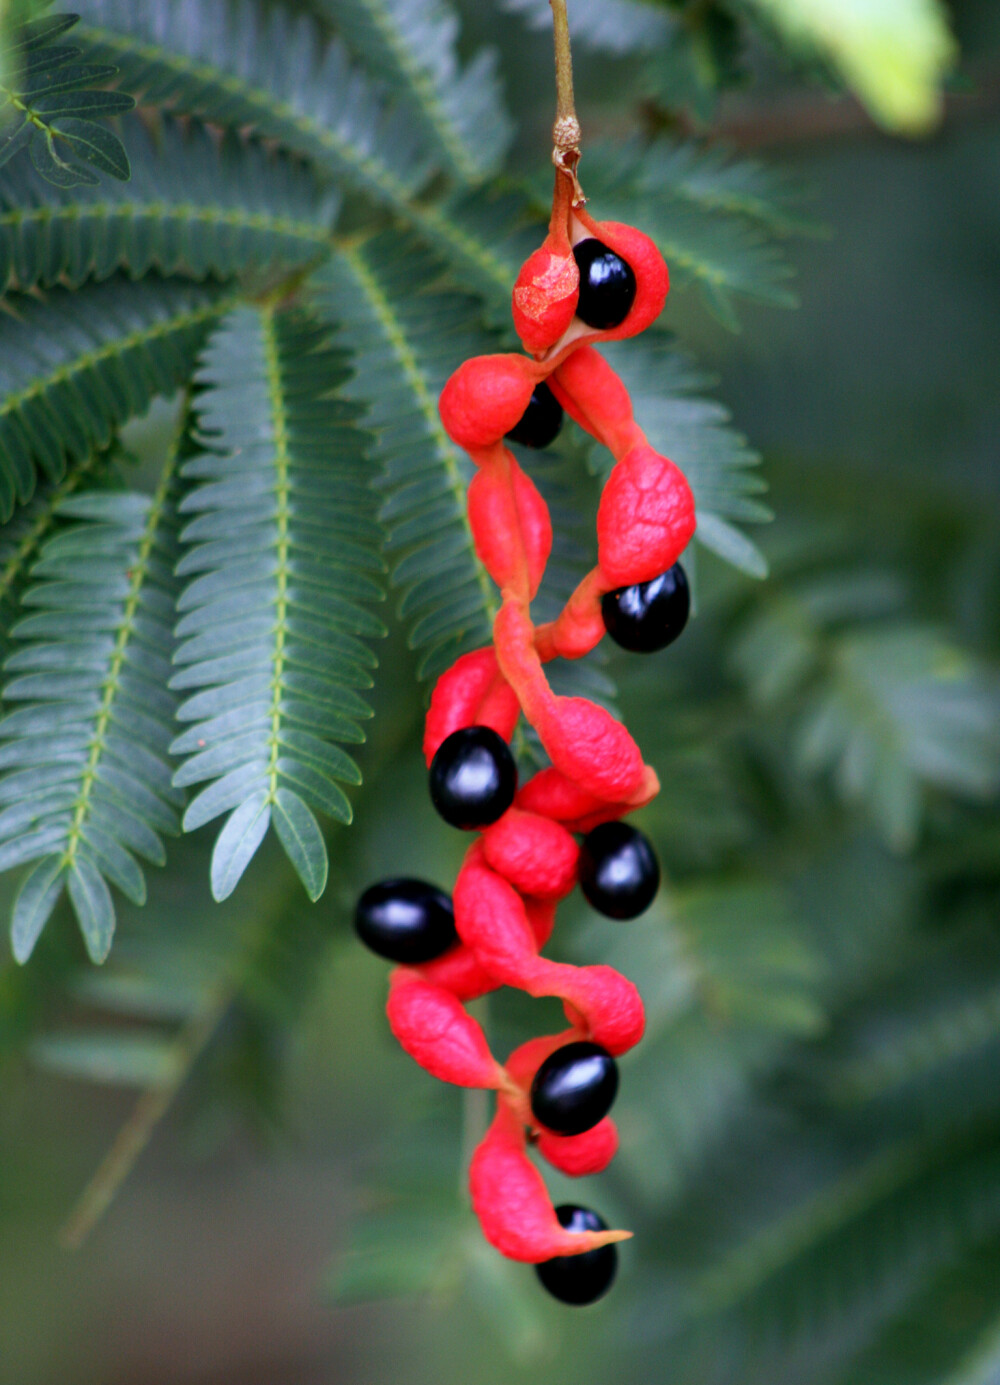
(811, 1130)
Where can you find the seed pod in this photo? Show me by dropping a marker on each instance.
(436, 1032)
(580, 1155)
(485, 398)
(511, 525)
(473, 692)
(645, 519)
(534, 854)
(510, 1200)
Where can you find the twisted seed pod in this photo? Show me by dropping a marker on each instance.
(520, 866)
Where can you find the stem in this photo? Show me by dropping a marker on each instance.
(566, 130)
(565, 108)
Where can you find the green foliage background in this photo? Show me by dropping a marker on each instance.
(233, 555)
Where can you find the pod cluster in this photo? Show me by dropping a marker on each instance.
(589, 282)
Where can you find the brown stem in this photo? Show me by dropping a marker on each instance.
(565, 108)
(566, 130)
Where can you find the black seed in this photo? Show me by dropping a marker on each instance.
(619, 872)
(473, 777)
(649, 615)
(574, 1088)
(607, 285)
(540, 423)
(405, 920)
(579, 1279)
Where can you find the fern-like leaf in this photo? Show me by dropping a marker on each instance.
(411, 45)
(406, 340)
(75, 365)
(191, 208)
(87, 786)
(279, 78)
(284, 83)
(715, 178)
(726, 256)
(48, 103)
(889, 708)
(281, 556)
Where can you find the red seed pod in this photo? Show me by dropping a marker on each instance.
(551, 794)
(525, 1061)
(485, 398)
(459, 972)
(473, 692)
(490, 918)
(609, 1004)
(587, 745)
(598, 1000)
(545, 295)
(546, 290)
(580, 626)
(579, 1155)
(645, 519)
(511, 526)
(652, 280)
(512, 1204)
(542, 916)
(536, 855)
(505, 896)
(595, 396)
(436, 1032)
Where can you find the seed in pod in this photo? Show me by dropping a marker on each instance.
(574, 1088)
(405, 920)
(579, 1279)
(649, 615)
(473, 777)
(541, 421)
(607, 285)
(619, 872)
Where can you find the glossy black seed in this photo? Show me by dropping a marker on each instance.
(580, 1279)
(607, 285)
(619, 872)
(473, 777)
(649, 615)
(540, 423)
(574, 1088)
(405, 920)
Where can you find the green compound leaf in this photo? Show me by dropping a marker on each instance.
(86, 781)
(279, 78)
(411, 45)
(886, 708)
(408, 339)
(192, 208)
(725, 255)
(718, 180)
(47, 104)
(282, 81)
(75, 365)
(282, 557)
